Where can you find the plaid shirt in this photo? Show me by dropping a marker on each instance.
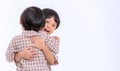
(39, 63)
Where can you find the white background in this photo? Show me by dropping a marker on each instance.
(89, 32)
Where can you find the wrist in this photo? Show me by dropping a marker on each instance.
(43, 49)
(20, 55)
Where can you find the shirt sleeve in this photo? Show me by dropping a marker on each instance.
(56, 58)
(11, 51)
(52, 44)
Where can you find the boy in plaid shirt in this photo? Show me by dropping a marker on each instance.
(52, 22)
(32, 21)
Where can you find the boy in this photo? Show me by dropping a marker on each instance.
(52, 22)
(32, 21)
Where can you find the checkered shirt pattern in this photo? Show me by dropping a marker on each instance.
(39, 63)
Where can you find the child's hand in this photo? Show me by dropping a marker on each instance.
(38, 43)
(28, 53)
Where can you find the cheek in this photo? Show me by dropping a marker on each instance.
(52, 30)
(49, 33)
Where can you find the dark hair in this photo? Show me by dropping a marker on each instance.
(52, 13)
(32, 18)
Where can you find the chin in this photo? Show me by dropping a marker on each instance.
(49, 33)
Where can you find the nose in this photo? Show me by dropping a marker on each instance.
(48, 26)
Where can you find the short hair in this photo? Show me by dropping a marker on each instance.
(32, 18)
(51, 13)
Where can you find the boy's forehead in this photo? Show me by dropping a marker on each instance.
(51, 20)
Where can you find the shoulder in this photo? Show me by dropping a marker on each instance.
(57, 38)
(42, 35)
(16, 38)
(13, 42)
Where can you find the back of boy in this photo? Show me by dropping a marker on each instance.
(32, 21)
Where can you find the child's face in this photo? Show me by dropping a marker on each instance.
(50, 25)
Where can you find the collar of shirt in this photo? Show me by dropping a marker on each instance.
(33, 33)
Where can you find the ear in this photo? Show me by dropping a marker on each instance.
(20, 20)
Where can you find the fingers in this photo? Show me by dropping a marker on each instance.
(35, 39)
(32, 55)
(29, 53)
(28, 48)
(32, 38)
(33, 52)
